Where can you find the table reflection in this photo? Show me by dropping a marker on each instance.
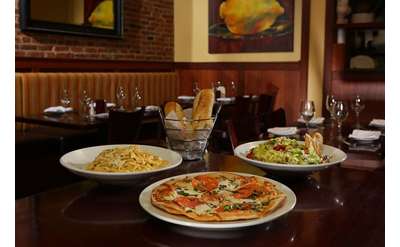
(314, 196)
(105, 205)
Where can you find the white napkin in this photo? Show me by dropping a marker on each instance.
(188, 113)
(186, 97)
(108, 104)
(283, 131)
(151, 108)
(365, 135)
(225, 99)
(58, 109)
(314, 120)
(377, 122)
(101, 115)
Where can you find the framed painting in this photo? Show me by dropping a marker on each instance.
(237, 26)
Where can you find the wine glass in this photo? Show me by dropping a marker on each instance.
(329, 104)
(357, 105)
(307, 111)
(233, 88)
(340, 111)
(84, 103)
(218, 89)
(121, 96)
(196, 88)
(137, 99)
(65, 99)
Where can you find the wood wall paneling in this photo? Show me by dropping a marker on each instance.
(290, 90)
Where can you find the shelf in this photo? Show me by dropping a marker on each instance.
(372, 25)
(366, 52)
(359, 75)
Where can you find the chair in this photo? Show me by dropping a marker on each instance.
(264, 110)
(247, 129)
(243, 125)
(124, 127)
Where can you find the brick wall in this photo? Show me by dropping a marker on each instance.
(148, 36)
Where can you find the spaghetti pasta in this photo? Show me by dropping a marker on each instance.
(126, 159)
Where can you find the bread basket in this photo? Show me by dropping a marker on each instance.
(189, 141)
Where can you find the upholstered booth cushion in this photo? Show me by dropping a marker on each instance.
(36, 91)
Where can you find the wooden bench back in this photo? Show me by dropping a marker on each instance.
(36, 91)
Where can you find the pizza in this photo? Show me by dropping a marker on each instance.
(218, 196)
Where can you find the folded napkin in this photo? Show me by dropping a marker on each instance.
(313, 121)
(58, 109)
(365, 135)
(283, 131)
(108, 105)
(185, 97)
(101, 115)
(377, 122)
(225, 99)
(152, 108)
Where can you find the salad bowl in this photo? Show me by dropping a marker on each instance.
(335, 156)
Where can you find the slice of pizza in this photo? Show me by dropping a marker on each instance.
(218, 196)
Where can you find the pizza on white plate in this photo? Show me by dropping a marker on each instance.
(218, 196)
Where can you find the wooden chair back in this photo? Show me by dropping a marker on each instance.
(124, 127)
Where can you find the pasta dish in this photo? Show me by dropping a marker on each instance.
(126, 159)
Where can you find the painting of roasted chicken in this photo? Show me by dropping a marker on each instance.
(250, 25)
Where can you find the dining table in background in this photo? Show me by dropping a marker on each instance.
(74, 120)
(343, 205)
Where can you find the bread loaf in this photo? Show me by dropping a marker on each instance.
(174, 108)
(314, 143)
(318, 143)
(202, 109)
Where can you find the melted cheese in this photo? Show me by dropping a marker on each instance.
(240, 201)
(228, 185)
(190, 192)
(171, 196)
(202, 209)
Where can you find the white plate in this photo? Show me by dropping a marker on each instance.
(77, 160)
(103, 115)
(186, 97)
(313, 122)
(336, 155)
(145, 202)
(283, 131)
(226, 99)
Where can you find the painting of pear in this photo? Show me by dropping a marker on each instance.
(247, 17)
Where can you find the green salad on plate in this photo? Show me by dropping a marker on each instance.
(283, 150)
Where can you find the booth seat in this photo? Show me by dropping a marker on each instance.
(36, 91)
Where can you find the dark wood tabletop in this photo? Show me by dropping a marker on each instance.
(338, 206)
(73, 120)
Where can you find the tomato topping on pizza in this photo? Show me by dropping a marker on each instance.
(218, 196)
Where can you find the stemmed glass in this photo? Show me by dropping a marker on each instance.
(84, 103)
(307, 111)
(196, 88)
(218, 90)
(357, 106)
(329, 104)
(65, 99)
(341, 112)
(121, 96)
(137, 99)
(233, 88)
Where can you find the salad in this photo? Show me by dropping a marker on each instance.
(283, 150)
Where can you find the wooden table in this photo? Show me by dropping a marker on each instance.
(335, 207)
(75, 121)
